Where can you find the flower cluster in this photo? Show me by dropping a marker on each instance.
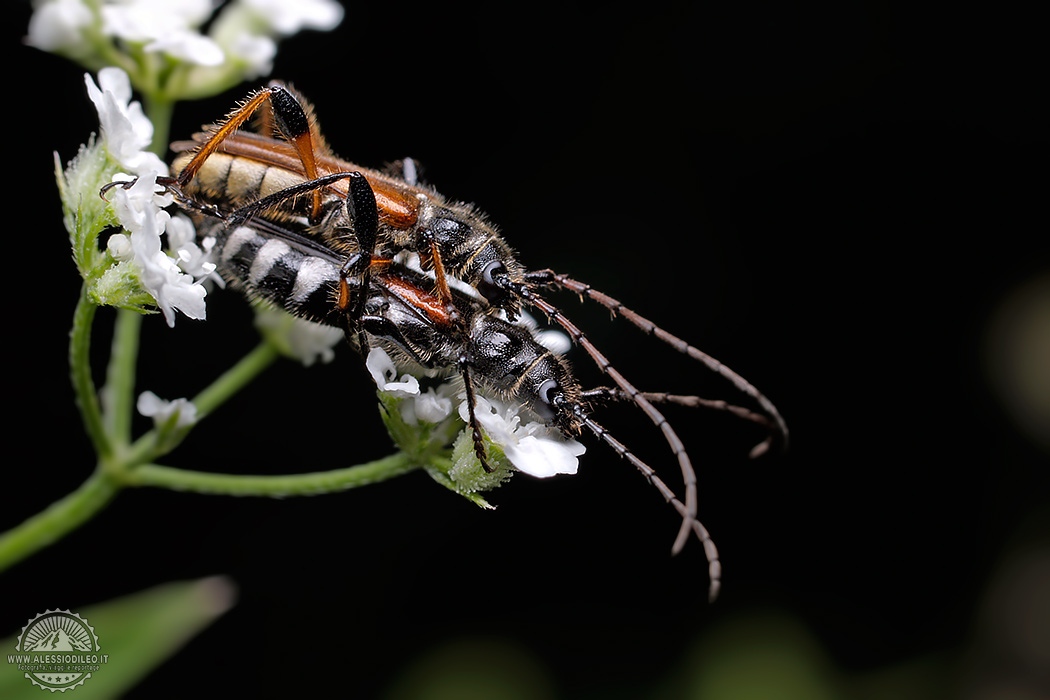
(531, 447)
(163, 45)
(135, 272)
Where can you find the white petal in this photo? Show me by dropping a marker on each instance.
(159, 274)
(288, 18)
(407, 385)
(197, 261)
(115, 81)
(57, 26)
(534, 448)
(383, 371)
(178, 292)
(160, 410)
(544, 457)
(141, 21)
(313, 342)
(149, 404)
(433, 408)
(380, 366)
(126, 130)
(498, 421)
(180, 232)
(255, 51)
(137, 208)
(188, 46)
(119, 246)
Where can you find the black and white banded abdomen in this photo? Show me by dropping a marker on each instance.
(272, 269)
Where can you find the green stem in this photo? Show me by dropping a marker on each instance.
(225, 386)
(113, 473)
(234, 379)
(277, 486)
(159, 111)
(61, 518)
(80, 373)
(119, 393)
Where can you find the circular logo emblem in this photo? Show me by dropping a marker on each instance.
(57, 650)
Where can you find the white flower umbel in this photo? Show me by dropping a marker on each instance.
(139, 211)
(177, 49)
(172, 281)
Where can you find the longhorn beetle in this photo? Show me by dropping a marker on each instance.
(276, 263)
(285, 169)
(284, 174)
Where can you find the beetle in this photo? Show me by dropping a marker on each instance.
(283, 174)
(493, 356)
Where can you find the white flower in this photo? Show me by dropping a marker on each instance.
(384, 372)
(119, 247)
(140, 208)
(201, 51)
(127, 132)
(434, 406)
(533, 448)
(195, 260)
(255, 51)
(160, 410)
(429, 407)
(188, 46)
(139, 211)
(298, 338)
(164, 279)
(416, 406)
(59, 25)
(168, 27)
(144, 20)
(247, 29)
(286, 18)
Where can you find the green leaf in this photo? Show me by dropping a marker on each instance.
(138, 632)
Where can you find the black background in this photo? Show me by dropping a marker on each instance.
(833, 200)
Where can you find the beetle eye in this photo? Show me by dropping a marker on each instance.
(549, 391)
(488, 286)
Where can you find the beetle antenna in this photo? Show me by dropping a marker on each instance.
(714, 566)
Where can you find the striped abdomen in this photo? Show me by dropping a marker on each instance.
(230, 182)
(280, 271)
